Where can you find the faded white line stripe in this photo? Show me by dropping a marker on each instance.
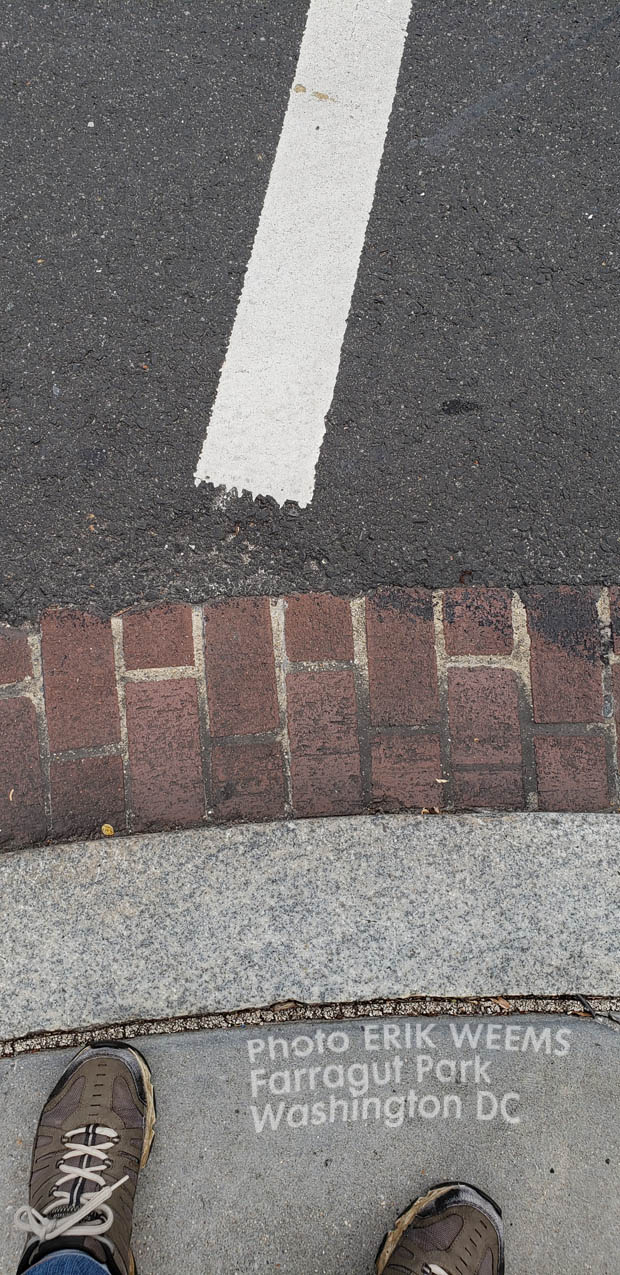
(278, 378)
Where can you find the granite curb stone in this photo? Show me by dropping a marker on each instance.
(315, 911)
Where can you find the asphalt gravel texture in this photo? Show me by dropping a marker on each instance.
(473, 434)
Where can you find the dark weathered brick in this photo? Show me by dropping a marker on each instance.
(15, 661)
(615, 684)
(572, 773)
(22, 807)
(241, 681)
(478, 621)
(406, 770)
(485, 738)
(159, 638)
(566, 661)
(325, 761)
(614, 606)
(248, 779)
(402, 666)
(318, 627)
(87, 793)
(79, 680)
(164, 753)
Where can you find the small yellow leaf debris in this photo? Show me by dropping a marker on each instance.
(300, 88)
(107, 829)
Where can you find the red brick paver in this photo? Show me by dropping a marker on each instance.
(164, 754)
(406, 772)
(325, 757)
(472, 699)
(614, 610)
(79, 681)
(158, 638)
(478, 621)
(15, 661)
(486, 738)
(401, 658)
(248, 779)
(22, 801)
(572, 773)
(565, 632)
(318, 628)
(86, 793)
(241, 682)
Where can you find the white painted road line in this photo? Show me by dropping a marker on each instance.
(278, 378)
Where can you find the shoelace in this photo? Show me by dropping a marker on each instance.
(73, 1223)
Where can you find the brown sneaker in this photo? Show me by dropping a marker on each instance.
(454, 1230)
(94, 1135)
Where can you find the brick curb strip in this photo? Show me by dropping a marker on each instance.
(254, 708)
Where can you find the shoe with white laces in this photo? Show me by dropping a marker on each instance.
(93, 1137)
(454, 1230)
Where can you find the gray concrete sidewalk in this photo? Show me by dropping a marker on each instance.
(317, 911)
(526, 1107)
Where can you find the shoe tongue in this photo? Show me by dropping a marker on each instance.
(64, 1210)
(61, 1210)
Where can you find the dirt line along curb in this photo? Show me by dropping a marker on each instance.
(603, 1009)
(254, 708)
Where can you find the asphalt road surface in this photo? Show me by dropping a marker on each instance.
(473, 432)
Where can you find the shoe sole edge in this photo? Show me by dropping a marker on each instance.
(392, 1238)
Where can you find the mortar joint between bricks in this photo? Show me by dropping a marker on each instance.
(520, 662)
(483, 661)
(37, 695)
(15, 690)
(318, 666)
(570, 730)
(246, 736)
(78, 754)
(516, 660)
(362, 695)
(603, 608)
(165, 674)
(607, 689)
(204, 722)
(277, 608)
(116, 624)
(442, 664)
